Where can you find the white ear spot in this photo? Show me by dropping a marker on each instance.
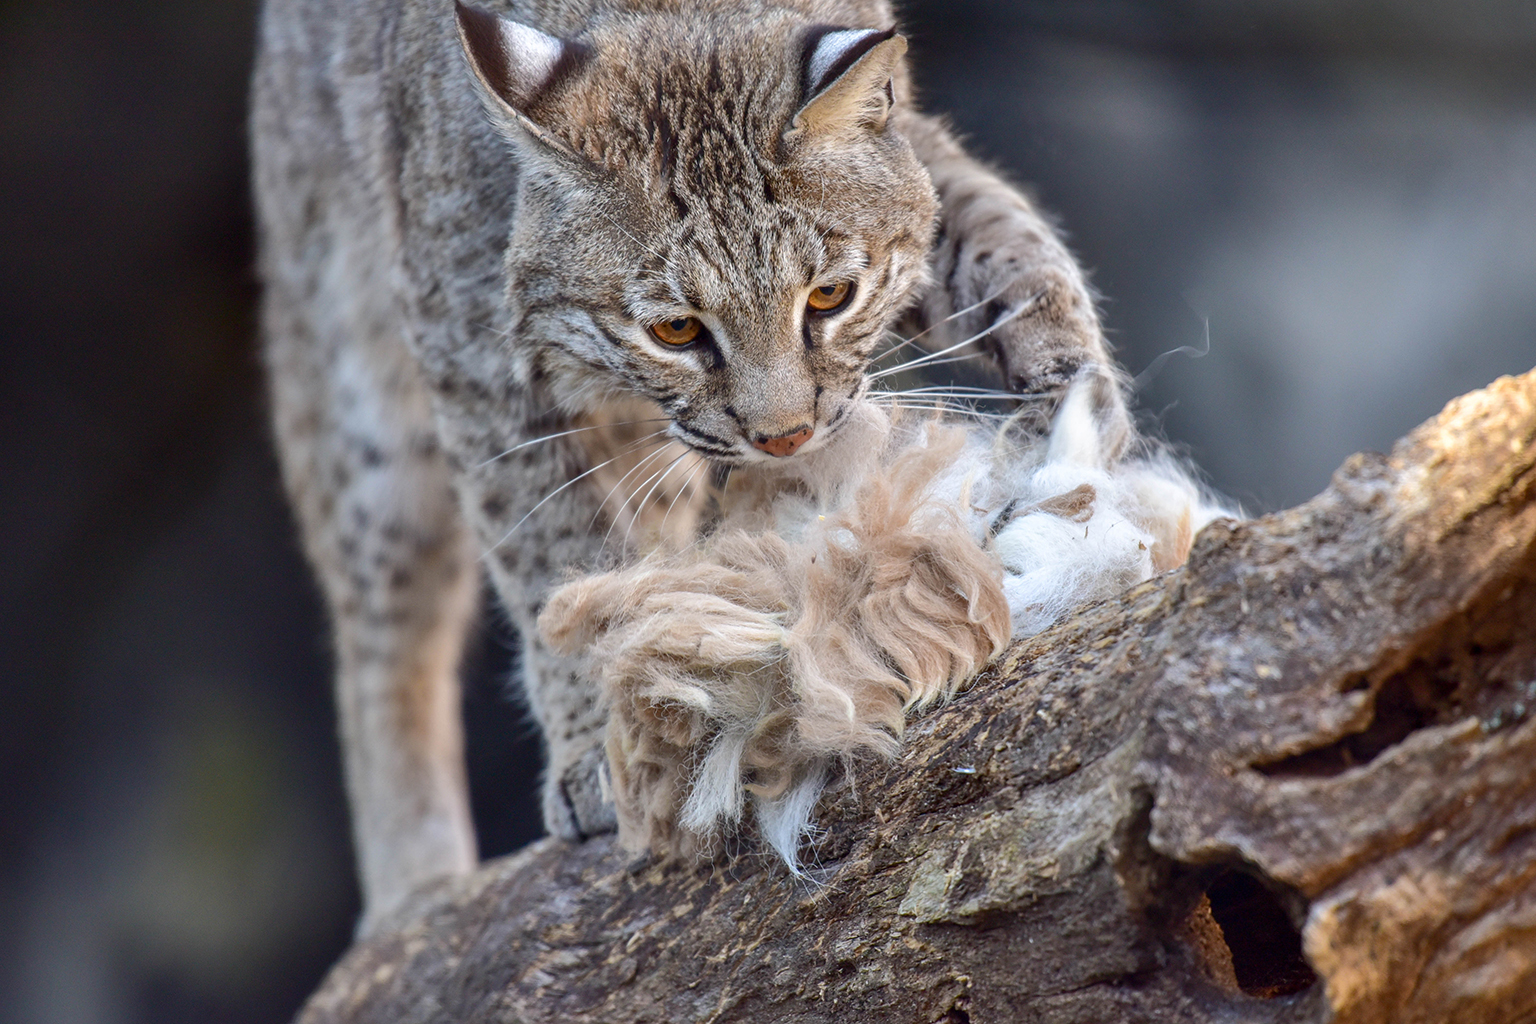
(532, 56)
(835, 52)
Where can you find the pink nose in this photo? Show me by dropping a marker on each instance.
(785, 444)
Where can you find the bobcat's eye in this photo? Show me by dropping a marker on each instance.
(681, 330)
(829, 297)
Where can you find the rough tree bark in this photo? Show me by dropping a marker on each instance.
(1293, 781)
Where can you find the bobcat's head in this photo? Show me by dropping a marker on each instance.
(713, 211)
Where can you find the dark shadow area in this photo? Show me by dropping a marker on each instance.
(1265, 946)
(1239, 935)
(1233, 930)
(1479, 664)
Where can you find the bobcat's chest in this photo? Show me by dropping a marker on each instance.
(653, 490)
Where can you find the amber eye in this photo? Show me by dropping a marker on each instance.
(829, 296)
(678, 331)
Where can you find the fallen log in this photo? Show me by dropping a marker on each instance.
(1292, 781)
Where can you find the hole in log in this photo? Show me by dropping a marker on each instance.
(1478, 664)
(956, 1014)
(1235, 927)
(1264, 945)
(1406, 702)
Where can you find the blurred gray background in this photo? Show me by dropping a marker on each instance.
(1335, 199)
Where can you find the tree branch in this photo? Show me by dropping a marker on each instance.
(1293, 781)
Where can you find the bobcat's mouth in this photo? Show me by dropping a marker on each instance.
(746, 449)
(716, 449)
(839, 419)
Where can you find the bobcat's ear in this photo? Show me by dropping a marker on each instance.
(515, 63)
(847, 79)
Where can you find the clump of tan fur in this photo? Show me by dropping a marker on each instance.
(759, 656)
(843, 590)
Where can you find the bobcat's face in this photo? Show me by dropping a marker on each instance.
(708, 223)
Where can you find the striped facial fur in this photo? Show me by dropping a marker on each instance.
(715, 213)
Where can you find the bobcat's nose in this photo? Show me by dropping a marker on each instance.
(784, 444)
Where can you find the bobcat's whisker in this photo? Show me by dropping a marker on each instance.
(933, 326)
(624, 503)
(917, 361)
(693, 474)
(941, 395)
(628, 507)
(961, 404)
(948, 360)
(567, 433)
(957, 388)
(957, 410)
(935, 362)
(491, 330)
(958, 391)
(659, 477)
(1012, 314)
(573, 480)
(611, 219)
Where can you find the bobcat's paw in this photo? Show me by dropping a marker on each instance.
(1045, 335)
(1042, 328)
(577, 801)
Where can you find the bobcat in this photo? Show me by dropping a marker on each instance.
(537, 278)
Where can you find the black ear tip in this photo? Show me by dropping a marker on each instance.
(468, 13)
(476, 22)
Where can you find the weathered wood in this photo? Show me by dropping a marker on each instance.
(1310, 750)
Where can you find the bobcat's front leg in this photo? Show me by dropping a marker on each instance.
(383, 529)
(998, 258)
